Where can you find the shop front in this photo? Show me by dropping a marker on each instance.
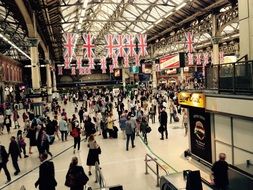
(200, 138)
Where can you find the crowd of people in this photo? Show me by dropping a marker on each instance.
(93, 117)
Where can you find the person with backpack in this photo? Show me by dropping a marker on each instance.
(75, 133)
(45, 143)
(21, 143)
(145, 129)
(76, 178)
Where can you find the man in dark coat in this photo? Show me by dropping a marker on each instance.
(14, 151)
(3, 162)
(163, 122)
(220, 173)
(46, 179)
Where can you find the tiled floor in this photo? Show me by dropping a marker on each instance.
(118, 165)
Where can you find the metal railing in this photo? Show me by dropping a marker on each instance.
(149, 158)
(235, 78)
(99, 176)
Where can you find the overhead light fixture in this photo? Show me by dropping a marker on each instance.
(181, 6)
(13, 45)
(170, 13)
(158, 21)
(151, 26)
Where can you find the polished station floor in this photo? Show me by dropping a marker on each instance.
(119, 166)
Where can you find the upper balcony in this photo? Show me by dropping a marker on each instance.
(230, 78)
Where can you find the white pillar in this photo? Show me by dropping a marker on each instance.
(154, 77)
(246, 27)
(124, 77)
(35, 69)
(181, 74)
(49, 77)
(215, 41)
(54, 81)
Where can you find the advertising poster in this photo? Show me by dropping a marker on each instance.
(200, 133)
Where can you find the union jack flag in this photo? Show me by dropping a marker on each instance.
(142, 38)
(73, 71)
(126, 62)
(189, 42)
(91, 63)
(60, 71)
(137, 59)
(221, 55)
(115, 62)
(103, 65)
(198, 59)
(143, 68)
(66, 63)
(81, 71)
(111, 68)
(130, 45)
(190, 58)
(120, 47)
(79, 63)
(110, 45)
(88, 70)
(88, 45)
(69, 44)
(206, 58)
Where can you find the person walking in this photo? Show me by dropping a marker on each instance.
(94, 151)
(76, 178)
(144, 129)
(185, 122)
(219, 176)
(21, 143)
(31, 134)
(7, 123)
(163, 123)
(75, 133)
(14, 151)
(3, 162)
(129, 132)
(1, 123)
(63, 126)
(122, 123)
(46, 180)
(152, 113)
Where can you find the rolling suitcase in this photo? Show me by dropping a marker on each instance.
(115, 132)
(104, 133)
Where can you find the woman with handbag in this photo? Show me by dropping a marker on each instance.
(94, 151)
(76, 178)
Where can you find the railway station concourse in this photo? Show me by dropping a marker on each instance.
(190, 59)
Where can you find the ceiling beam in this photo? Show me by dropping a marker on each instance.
(190, 18)
(29, 23)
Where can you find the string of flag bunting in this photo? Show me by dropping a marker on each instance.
(125, 46)
(128, 46)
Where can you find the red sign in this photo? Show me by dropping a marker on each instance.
(169, 62)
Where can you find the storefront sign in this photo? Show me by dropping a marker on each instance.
(200, 134)
(191, 99)
(169, 62)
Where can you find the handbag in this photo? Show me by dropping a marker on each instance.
(76, 179)
(98, 150)
(160, 129)
(148, 129)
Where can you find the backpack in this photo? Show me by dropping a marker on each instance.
(76, 179)
(74, 133)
